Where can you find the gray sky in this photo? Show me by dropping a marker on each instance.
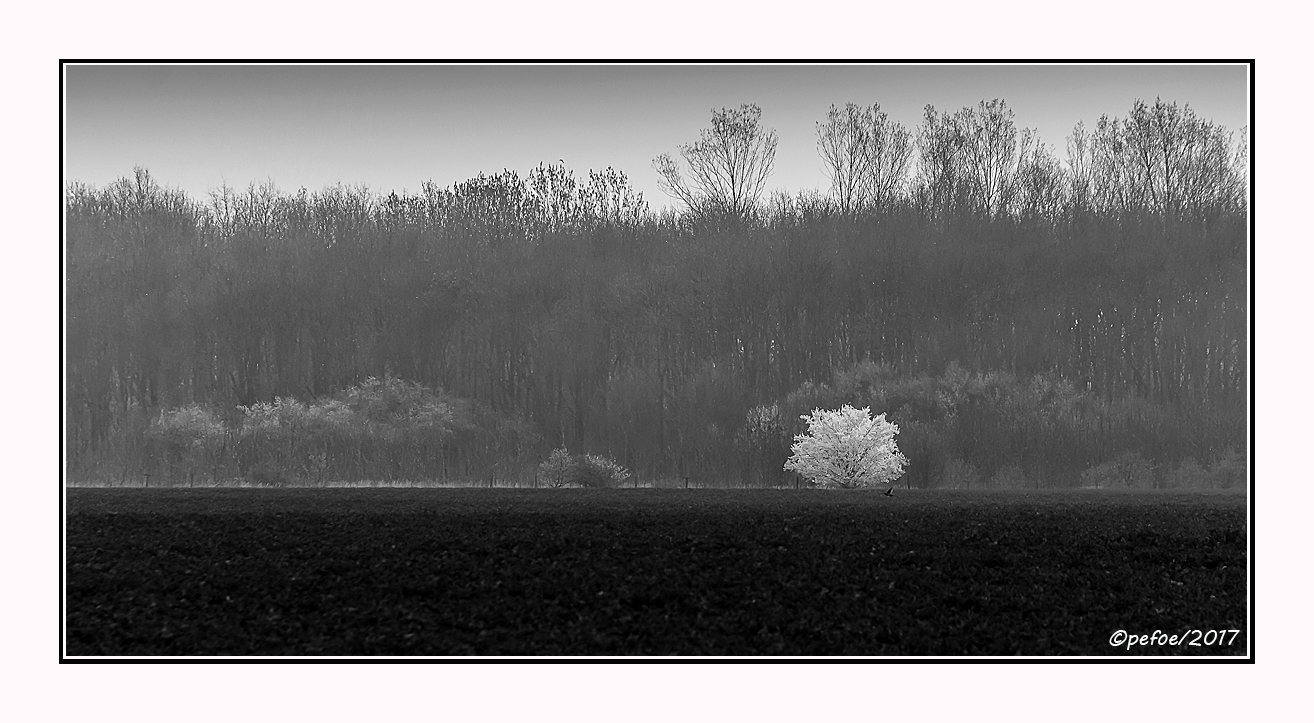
(393, 127)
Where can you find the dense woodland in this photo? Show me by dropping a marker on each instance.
(1026, 320)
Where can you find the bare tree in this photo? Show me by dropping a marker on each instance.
(866, 155)
(728, 164)
(1079, 146)
(940, 164)
(1165, 159)
(891, 149)
(1040, 186)
(1238, 186)
(843, 143)
(990, 153)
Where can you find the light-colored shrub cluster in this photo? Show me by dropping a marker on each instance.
(595, 471)
(384, 429)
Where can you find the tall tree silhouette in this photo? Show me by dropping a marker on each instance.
(728, 165)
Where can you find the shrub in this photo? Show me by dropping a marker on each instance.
(847, 448)
(189, 440)
(557, 469)
(397, 409)
(594, 471)
(274, 439)
(188, 426)
(581, 470)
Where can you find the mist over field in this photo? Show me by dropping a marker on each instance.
(1025, 322)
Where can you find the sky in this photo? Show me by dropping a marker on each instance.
(393, 127)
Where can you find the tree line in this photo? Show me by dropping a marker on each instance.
(566, 309)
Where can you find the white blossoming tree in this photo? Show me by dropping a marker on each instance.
(847, 448)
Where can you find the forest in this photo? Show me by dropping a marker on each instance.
(1026, 320)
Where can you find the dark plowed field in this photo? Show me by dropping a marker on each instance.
(648, 572)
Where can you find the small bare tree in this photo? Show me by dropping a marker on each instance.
(728, 164)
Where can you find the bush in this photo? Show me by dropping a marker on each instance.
(847, 448)
(557, 469)
(581, 470)
(379, 429)
(274, 440)
(189, 440)
(593, 471)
